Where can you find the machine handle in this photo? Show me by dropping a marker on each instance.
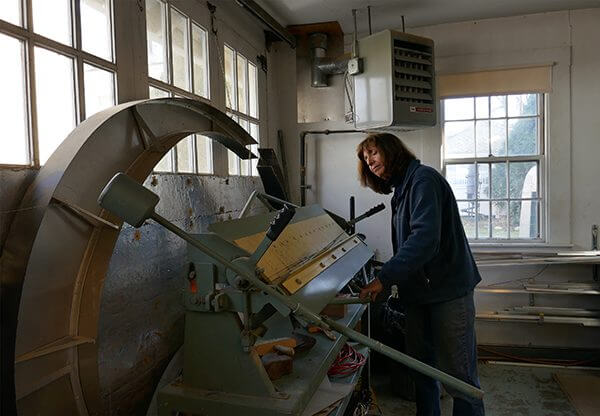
(281, 220)
(372, 211)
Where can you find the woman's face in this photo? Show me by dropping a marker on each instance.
(374, 160)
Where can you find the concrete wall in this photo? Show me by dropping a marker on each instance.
(564, 39)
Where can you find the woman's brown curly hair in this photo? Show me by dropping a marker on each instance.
(396, 157)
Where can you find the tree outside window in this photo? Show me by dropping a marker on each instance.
(493, 160)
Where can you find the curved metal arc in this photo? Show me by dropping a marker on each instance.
(98, 148)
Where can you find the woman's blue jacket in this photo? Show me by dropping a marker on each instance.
(432, 259)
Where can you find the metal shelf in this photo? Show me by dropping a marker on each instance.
(537, 260)
(546, 289)
(539, 319)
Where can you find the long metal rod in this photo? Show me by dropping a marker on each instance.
(348, 300)
(275, 199)
(354, 36)
(323, 322)
(247, 205)
(406, 360)
(262, 197)
(258, 12)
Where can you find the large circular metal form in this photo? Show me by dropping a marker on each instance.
(61, 241)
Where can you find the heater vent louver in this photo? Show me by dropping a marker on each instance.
(397, 88)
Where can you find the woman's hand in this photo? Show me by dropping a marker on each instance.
(371, 290)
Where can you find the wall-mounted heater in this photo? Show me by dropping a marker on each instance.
(396, 89)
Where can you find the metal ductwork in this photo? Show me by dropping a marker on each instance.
(322, 66)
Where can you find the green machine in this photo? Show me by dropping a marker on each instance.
(251, 281)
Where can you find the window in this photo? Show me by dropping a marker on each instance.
(494, 159)
(178, 66)
(241, 100)
(51, 80)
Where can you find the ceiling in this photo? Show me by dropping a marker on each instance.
(386, 14)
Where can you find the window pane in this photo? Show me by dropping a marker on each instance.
(181, 50)
(245, 163)
(157, 40)
(467, 213)
(96, 38)
(482, 105)
(13, 107)
(498, 137)
(230, 92)
(522, 105)
(166, 163)
(523, 180)
(55, 89)
(253, 90)
(462, 180)
(483, 180)
(185, 155)
(499, 219)
(99, 89)
(460, 139)
(200, 47)
(524, 219)
(498, 106)
(233, 163)
(254, 148)
(52, 19)
(242, 91)
(482, 137)
(204, 151)
(10, 10)
(458, 109)
(498, 180)
(483, 219)
(157, 92)
(522, 136)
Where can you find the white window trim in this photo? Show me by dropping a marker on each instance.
(75, 52)
(558, 130)
(541, 158)
(235, 100)
(173, 90)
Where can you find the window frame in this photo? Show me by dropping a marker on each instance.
(541, 158)
(236, 114)
(173, 91)
(31, 40)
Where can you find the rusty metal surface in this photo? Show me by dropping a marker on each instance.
(55, 260)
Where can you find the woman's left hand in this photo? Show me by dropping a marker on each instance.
(371, 290)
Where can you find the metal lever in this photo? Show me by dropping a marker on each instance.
(372, 211)
(132, 202)
(281, 220)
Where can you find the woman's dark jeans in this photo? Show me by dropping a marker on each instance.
(443, 335)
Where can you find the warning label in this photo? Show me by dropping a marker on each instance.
(414, 109)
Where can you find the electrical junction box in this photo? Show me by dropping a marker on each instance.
(396, 89)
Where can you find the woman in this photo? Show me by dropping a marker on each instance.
(432, 266)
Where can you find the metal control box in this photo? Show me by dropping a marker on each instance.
(396, 90)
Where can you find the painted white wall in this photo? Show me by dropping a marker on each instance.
(585, 92)
(566, 39)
